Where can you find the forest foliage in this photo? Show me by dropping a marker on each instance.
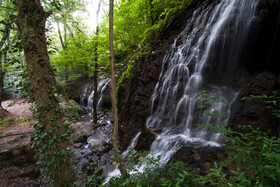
(72, 44)
(135, 23)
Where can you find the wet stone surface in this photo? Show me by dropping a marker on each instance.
(98, 145)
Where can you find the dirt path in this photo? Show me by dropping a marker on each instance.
(16, 158)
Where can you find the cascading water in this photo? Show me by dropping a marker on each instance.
(102, 86)
(212, 41)
(83, 96)
(175, 98)
(174, 103)
(86, 98)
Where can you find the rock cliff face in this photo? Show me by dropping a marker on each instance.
(255, 73)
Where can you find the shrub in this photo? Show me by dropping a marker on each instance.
(172, 174)
(253, 157)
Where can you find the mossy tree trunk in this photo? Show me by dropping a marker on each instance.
(113, 94)
(50, 137)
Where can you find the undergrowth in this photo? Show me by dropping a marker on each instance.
(253, 158)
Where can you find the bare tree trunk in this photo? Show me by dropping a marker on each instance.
(52, 144)
(113, 93)
(64, 46)
(95, 76)
(60, 36)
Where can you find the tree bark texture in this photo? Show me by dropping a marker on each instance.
(113, 93)
(2, 73)
(31, 21)
(5, 37)
(95, 77)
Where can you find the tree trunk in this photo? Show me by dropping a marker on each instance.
(151, 12)
(95, 76)
(113, 93)
(5, 36)
(2, 73)
(60, 36)
(64, 46)
(49, 135)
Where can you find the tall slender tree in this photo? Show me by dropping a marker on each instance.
(95, 77)
(50, 137)
(113, 93)
(5, 37)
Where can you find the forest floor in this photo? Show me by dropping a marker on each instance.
(17, 163)
(18, 111)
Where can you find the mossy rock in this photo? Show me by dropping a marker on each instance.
(72, 110)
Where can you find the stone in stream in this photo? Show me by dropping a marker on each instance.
(97, 145)
(80, 131)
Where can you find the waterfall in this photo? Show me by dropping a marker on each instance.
(86, 97)
(101, 88)
(174, 103)
(83, 96)
(211, 43)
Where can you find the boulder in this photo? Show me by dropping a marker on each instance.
(200, 160)
(81, 131)
(254, 111)
(97, 145)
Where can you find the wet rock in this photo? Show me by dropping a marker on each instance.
(76, 88)
(93, 158)
(241, 78)
(78, 153)
(105, 101)
(80, 131)
(97, 145)
(200, 160)
(84, 164)
(9, 95)
(147, 136)
(254, 111)
(78, 145)
(86, 152)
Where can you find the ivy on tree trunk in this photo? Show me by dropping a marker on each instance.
(50, 137)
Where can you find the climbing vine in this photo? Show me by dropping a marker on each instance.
(46, 139)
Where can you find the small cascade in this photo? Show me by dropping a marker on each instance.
(83, 96)
(116, 172)
(86, 98)
(174, 103)
(103, 87)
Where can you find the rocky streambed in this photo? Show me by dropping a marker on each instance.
(91, 144)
